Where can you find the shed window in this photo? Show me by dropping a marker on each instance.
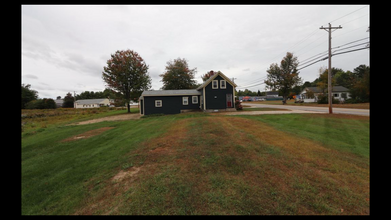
(222, 84)
(158, 103)
(215, 84)
(185, 100)
(194, 99)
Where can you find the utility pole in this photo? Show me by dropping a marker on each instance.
(74, 99)
(329, 76)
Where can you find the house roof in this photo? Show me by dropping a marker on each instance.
(89, 101)
(59, 101)
(272, 93)
(178, 92)
(182, 92)
(335, 89)
(213, 77)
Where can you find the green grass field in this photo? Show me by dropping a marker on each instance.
(196, 163)
(313, 104)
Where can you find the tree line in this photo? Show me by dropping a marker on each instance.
(358, 82)
(285, 79)
(30, 99)
(126, 77)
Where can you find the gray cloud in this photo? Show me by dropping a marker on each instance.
(71, 44)
(30, 76)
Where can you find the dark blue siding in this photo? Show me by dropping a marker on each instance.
(170, 104)
(217, 98)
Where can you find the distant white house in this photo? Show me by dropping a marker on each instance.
(91, 103)
(59, 102)
(339, 92)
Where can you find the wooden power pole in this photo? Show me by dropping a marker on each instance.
(329, 76)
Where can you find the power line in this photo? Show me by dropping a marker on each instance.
(350, 43)
(352, 46)
(325, 58)
(348, 14)
(334, 54)
(334, 30)
(318, 58)
(321, 55)
(303, 61)
(252, 84)
(367, 47)
(354, 19)
(255, 80)
(312, 59)
(300, 42)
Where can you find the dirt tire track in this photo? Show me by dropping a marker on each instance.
(121, 117)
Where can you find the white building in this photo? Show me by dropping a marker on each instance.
(339, 92)
(91, 103)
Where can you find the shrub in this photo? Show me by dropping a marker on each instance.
(41, 104)
(351, 101)
(323, 99)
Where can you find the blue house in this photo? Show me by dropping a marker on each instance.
(216, 94)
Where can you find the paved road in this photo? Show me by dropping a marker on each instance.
(351, 111)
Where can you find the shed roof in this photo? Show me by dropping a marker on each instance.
(89, 101)
(335, 89)
(179, 92)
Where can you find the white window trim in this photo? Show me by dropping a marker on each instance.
(225, 84)
(192, 99)
(161, 103)
(183, 100)
(217, 83)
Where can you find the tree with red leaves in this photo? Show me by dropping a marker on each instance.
(127, 74)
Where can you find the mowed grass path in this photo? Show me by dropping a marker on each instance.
(201, 164)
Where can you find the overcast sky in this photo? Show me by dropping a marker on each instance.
(65, 47)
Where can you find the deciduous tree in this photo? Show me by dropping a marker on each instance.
(285, 76)
(28, 95)
(127, 73)
(360, 92)
(178, 75)
(68, 101)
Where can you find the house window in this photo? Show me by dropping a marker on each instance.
(215, 84)
(222, 84)
(194, 99)
(185, 100)
(158, 103)
(336, 95)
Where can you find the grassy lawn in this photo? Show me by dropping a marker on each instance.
(292, 102)
(264, 109)
(196, 163)
(37, 120)
(342, 132)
